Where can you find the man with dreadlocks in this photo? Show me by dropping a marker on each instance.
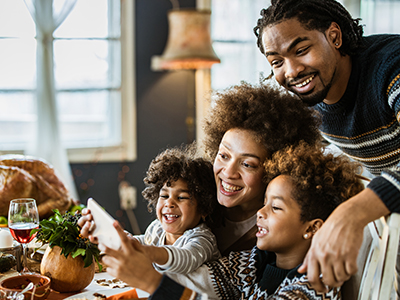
(317, 51)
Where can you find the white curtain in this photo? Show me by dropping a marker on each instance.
(48, 15)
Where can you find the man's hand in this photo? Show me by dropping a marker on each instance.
(334, 248)
(130, 264)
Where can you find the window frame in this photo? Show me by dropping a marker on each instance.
(127, 149)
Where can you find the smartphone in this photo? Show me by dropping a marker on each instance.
(104, 230)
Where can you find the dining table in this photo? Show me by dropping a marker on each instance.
(93, 288)
(90, 290)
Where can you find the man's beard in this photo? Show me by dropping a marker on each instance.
(313, 98)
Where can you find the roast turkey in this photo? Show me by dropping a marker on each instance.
(29, 177)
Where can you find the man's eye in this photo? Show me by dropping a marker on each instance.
(302, 50)
(276, 63)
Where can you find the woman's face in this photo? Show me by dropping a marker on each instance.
(238, 170)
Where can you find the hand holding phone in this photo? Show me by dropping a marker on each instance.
(104, 230)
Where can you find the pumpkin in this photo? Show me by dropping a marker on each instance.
(67, 274)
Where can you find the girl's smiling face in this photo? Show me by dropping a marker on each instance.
(280, 228)
(177, 210)
(238, 171)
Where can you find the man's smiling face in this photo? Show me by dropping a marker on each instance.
(303, 61)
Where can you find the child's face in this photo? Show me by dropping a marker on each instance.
(280, 229)
(177, 210)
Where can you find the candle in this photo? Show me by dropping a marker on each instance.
(6, 239)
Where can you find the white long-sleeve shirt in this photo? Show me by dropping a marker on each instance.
(195, 247)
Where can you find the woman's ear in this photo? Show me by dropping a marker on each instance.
(312, 228)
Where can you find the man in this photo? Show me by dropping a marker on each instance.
(317, 51)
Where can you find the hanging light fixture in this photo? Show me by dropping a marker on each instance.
(189, 42)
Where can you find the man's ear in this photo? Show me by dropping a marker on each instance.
(312, 228)
(334, 35)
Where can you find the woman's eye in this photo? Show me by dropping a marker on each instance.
(247, 165)
(164, 196)
(181, 198)
(222, 155)
(276, 208)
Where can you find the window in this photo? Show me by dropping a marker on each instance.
(95, 90)
(380, 16)
(235, 43)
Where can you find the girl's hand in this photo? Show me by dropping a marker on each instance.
(87, 225)
(130, 264)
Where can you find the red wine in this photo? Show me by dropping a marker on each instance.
(21, 232)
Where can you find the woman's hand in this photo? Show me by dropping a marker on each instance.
(130, 264)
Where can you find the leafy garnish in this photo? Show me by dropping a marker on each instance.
(64, 232)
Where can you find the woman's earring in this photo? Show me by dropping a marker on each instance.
(306, 236)
(337, 44)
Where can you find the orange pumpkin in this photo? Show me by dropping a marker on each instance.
(67, 274)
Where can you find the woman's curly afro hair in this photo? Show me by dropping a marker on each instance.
(182, 163)
(277, 118)
(321, 180)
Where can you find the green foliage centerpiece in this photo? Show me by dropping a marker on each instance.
(69, 255)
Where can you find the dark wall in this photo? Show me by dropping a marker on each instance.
(161, 100)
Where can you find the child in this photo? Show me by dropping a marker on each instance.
(181, 188)
(304, 187)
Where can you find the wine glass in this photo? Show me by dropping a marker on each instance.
(23, 216)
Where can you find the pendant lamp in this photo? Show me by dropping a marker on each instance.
(189, 42)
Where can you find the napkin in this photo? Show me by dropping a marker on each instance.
(130, 294)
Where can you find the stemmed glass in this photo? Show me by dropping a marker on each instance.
(23, 216)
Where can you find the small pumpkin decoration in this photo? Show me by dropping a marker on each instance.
(67, 274)
(69, 257)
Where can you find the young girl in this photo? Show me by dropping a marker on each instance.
(180, 187)
(304, 187)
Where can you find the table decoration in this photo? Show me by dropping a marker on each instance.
(69, 258)
(17, 283)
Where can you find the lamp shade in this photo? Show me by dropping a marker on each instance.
(189, 42)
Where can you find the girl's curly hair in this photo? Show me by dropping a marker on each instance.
(321, 180)
(276, 118)
(182, 163)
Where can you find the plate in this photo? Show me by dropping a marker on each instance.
(89, 294)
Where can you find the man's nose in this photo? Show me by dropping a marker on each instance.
(293, 68)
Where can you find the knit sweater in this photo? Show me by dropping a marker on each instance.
(247, 275)
(364, 124)
(190, 251)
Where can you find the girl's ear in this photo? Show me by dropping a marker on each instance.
(312, 228)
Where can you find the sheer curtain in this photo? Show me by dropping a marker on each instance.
(48, 15)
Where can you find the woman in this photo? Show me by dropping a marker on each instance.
(246, 125)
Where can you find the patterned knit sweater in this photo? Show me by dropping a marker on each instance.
(364, 124)
(246, 275)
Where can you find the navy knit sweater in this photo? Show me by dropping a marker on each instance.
(364, 124)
